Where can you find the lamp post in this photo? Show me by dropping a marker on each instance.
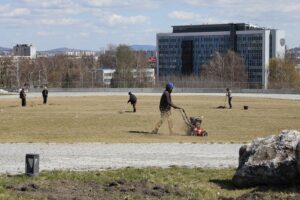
(40, 78)
(30, 80)
(92, 72)
(18, 76)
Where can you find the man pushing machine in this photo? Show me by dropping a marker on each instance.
(165, 108)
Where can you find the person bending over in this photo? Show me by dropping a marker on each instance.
(132, 100)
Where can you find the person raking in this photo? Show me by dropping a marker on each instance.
(132, 100)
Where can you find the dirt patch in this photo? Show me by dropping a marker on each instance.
(261, 196)
(67, 189)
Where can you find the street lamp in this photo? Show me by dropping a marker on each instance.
(92, 72)
(30, 80)
(40, 78)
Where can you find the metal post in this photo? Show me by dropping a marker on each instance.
(18, 78)
(32, 162)
(30, 80)
(40, 78)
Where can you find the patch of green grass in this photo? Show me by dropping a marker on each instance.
(196, 183)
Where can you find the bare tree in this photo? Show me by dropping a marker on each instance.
(283, 73)
(227, 68)
(6, 71)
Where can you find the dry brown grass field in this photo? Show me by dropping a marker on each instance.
(97, 119)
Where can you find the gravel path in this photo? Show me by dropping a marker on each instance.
(97, 156)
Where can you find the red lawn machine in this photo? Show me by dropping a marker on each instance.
(193, 125)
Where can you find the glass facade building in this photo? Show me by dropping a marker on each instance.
(184, 51)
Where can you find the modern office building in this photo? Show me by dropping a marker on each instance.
(24, 50)
(187, 48)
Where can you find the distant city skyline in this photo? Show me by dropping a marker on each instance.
(95, 24)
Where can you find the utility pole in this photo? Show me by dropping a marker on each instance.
(30, 80)
(18, 77)
(40, 78)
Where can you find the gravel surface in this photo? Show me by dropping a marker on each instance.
(98, 156)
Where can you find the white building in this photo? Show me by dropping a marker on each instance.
(24, 50)
(106, 75)
(80, 53)
(148, 74)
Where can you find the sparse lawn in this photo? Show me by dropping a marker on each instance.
(97, 119)
(129, 183)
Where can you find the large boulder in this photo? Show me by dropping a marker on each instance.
(274, 160)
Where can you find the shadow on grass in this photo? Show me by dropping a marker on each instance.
(140, 132)
(228, 184)
(224, 184)
(13, 106)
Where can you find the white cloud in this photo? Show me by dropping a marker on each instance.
(193, 17)
(249, 6)
(45, 33)
(148, 4)
(7, 11)
(114, 19)
(100, 3)
(64, 21)
(182, 15)
(84, 34)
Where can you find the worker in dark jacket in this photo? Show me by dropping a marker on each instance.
(165, 108)
(23, 97)
(132, 100)
(45, 95)
(229, 96)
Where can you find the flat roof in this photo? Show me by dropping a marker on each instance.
(215, 27)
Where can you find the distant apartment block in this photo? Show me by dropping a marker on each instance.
(147, 74)
(80, 53)
(24, 50)
(188, 48)
(105, 75)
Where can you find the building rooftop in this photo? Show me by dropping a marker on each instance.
(215, 27)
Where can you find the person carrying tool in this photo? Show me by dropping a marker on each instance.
(228, 94)
(165, 108)
(132, 100)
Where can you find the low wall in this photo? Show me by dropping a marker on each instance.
(159, 90)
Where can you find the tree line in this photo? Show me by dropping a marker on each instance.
(67, 71)
(223, 70)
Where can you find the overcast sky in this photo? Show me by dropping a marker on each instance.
(93, 24)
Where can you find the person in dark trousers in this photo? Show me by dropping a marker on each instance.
(165, 108)
(132, 100)
(229, 97)
(45, 95)
(23, 97)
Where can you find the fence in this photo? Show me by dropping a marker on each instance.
(133, 84)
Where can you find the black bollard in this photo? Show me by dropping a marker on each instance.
(32, 162)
